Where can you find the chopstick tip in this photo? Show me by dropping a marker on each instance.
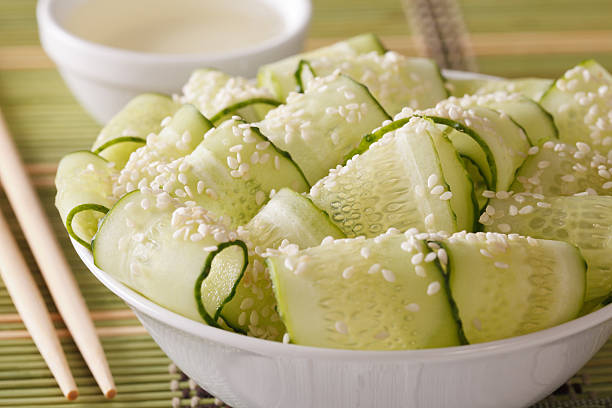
(110, 393)
(72, 395)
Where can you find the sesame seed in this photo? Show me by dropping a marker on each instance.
(432, 180)
(341, 327)
(374, 268)
(430, 257)
(300, 268)
(543, 164)
(211, 248)
(236, 148)
(348, 272)
(420, 271)
(543, 204)
(502, 195)
(442, 256)
(276, 162)
(286, 338)
(417, 258)
(501, 265)
(477, 324)
(365, 252)
(526, 210)
(247, 303)
(446, 196)
(488, 194)
(388, 275)
(568, 178)
(254, 318)
(145, 204)
(260, 197)
(533, 150)
(262, 145)
(505, 228)
(406, 246)
(486, 253)
(607, 185)
(433, 288)
(412, 307)
(437, 190)
(429, 219)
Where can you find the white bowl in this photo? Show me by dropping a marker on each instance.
(252, 373)
(103, 79)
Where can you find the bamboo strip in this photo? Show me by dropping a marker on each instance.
(75, 357)
(87, 380)
(168, 395)
(95, 315)
(102, 332)
(86, 390)
(83, 371)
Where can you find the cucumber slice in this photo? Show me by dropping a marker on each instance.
(532, 88)
(478, 181)
(278, 77)
(398, 182)
(509, 286)
(494, 134)
(160, 247)
(319, 127)
(118, 150)
(219, 96)
(538, 124)
(287, 217)
(394, 80)
(364, 295)
(84, 193)
(140, 117)
(304, 73)
(585, 222)
(231, 172)
(559, 169)
(184, 131)
(581, 102)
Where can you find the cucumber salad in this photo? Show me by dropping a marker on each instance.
(355, 198)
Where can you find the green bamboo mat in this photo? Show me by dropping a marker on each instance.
(518, 38)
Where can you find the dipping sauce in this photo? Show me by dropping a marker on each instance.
(175, 26)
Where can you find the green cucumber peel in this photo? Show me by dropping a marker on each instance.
(298, 74)
(373, 137)
(216, 118)
(78, 209)
(212, 320)
(117, 140)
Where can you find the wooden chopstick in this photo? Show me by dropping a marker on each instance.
(51, 261)
(31, 306)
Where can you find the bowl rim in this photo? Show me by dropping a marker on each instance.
(274, 348)
(47, 21)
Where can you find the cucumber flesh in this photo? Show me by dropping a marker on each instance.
(394, 80)
(231, 173)
(117, 151)
(160, 247)
(580, 102)
(139, 118)
(538, 124)
(559, 169)
(319, 127)
(84, 193)
(364, 295)
(532, 88)
(398, 182)
(287, 217)
(278, 77)
(585, 222)
(219, 96)
(183, 132)
(509, 286)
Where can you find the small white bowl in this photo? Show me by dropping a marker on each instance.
(103, 79)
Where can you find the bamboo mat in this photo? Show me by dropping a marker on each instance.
(517, 38)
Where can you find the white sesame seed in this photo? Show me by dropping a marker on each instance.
(442, 256)
(365, 252)
(502, 195)
(505, 228)
(526, 210)
(286, 338)
(488, 194)
(276, 162)
(145, 204)
(247, 303)
(374, 268)
(430, 257)
(340, 327)
(388, 275)
(412, 307)
(254, 318)
(568, 178)
(501, 265)
(486, 253)
(533, 150)
(348, 272)
(446, 196)
(433, 288)
(543, 164)
(417, 258)
(437, 190)
(432, 180)
(211, 248)
(420, 271)
(429, 219)
(260, 197)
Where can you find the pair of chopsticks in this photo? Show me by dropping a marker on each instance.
(56, 273)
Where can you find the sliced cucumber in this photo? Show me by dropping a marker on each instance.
(478, 181)
(582, 221)
(219, 96)
(232, 172)
(364, 295)
(287, 217)
(160, 247)
(139, 118)
(399, 182)
(532, 88)
(278, 77)
(505, 287)
(493, 133)
(118, 150)
(581, 102)
(559, 169)
(394, 80)
(182, 134)
(84, 193)
(538, 124)
(319, 127)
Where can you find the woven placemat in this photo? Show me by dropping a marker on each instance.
(47, 123)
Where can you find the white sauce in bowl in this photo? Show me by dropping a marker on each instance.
(176, 26)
